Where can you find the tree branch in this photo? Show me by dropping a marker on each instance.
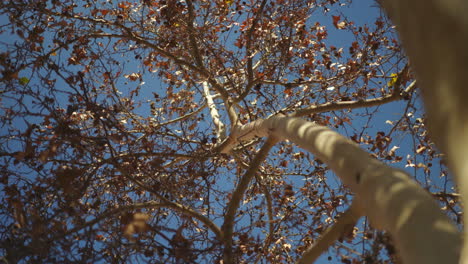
(182, 118)
(220, 128)
(296, 84)
(179, 207)
(153, 46)
(333, 106)
(192, 40)
(250, 130)
(390, 198)
(435, 39)
(237, 196)
(249, 54)
(343, 225)
(111, 213)
(199, 61)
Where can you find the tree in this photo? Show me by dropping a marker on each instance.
(132, 131)
(436, 40)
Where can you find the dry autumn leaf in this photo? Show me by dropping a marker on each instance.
(133, 76)
(134, 223)
(337, 23)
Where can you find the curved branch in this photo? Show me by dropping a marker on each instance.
(296, 84)
(182, 118)
(110, 213)
(179, 207)
(164, 53)
(343, 225)
(195, 51)
(237, 196)
(333, 106)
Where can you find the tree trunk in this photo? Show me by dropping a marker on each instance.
(435, 36)
(388, 196)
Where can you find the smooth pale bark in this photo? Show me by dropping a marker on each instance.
(220, 128)
(389, 197)
(435, 36)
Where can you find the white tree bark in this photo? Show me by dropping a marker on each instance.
(435, 36)
(389, 197)
(220, 128)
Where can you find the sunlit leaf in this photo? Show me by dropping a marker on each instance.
(393, 80)
(23, 80)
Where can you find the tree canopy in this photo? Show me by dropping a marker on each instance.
(116, 121)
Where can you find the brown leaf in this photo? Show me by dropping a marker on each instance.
(288, 91)
(18, 213)
(134, 224)
(421, 149)
(288, 190)
(44, 155)
(133, 76)
(192, 126)
(337, 23)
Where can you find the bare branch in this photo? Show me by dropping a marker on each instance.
(333, 106)
(238, 195)
(296, 84)
(179, 207)
(155, 47)
(184, 117)
(220, 128)
(115, 212)
(193, 42)
(343, 225)
(249, 53)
